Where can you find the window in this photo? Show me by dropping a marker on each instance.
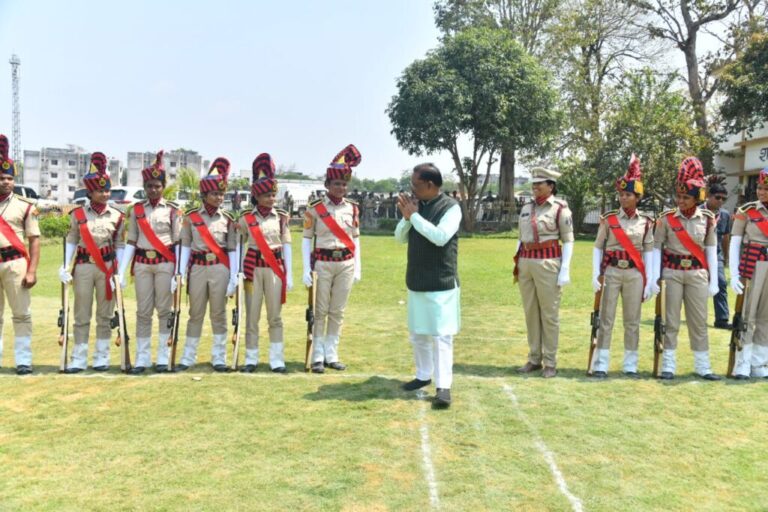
(54, 162)
(54, 188)
(54, 175)
(71, 189)
(173, 164)
(72, 176)
(71, 163)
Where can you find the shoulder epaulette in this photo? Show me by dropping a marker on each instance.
(315, 202)
(748, 206)
(352, 201)
(561, 202)
(172, 204)
(75, 208)
(228, 214)
(117, 210)
(191, 209)
(280, 211)
(708, 213)
(606, 214)
(25, 199)
(646, 215)
(667, 212)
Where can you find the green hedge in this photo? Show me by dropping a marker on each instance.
(54, 225)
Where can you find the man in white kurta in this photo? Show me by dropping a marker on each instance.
(430, 226)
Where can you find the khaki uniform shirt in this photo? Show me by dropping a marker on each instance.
(346, 216)
(164, 219)
(549, 225)
(21, 214)
(274, 227)
(639, 230)
(106, 228)
(701, 228)
(744, 227)
(221, 226)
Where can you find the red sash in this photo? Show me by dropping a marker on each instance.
(686, 240)
(623, 239)
(7, 231)
(329, 221)
(207, 237)
(149, 234)
(266, 252)
(90, 244)
(759, 220)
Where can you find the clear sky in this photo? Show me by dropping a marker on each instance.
(299, 79)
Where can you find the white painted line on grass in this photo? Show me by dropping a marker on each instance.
(576, 504)
(426, 453)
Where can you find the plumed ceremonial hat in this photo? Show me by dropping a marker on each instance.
(6, 164)
(97, 177)
(690, 178)
(156, 171)
(263, 175)
(341, 166)
(632, 181)
(217, 176)
(762, 178)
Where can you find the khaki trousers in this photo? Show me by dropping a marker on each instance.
(689, 288)
(756, 307)
(87, 280)
(153, 291)
(627, 284)
(207, 284)
(266, 287)
(11, 274)
(334, 283)
(541, 303)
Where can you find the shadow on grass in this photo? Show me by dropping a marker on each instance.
(374, 388)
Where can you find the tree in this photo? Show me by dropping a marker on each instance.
(478, 84)
(745, 85)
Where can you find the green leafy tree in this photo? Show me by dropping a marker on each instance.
(479, 84)
(745, 85)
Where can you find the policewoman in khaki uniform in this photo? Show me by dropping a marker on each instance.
(542, 268)
(209, 257)
(18, 266)
(266, 265)
(686, 248)
(623, 255)
(333, 223)
(95, 240)
(748, 261)
(154, 226)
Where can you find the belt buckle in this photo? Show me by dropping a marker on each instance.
(151, 254)
(623, 264)
(209, 256)
(685, 263)
(336, 254)
(88, 259)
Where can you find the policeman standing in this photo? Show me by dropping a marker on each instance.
(95, 239)
(689, 260)
(543, 268)
(716, 196)
(333, 223)
(266, 265)
(154, 226)
(18, 266)
(209, 256)
(623, 255)
(748, 262)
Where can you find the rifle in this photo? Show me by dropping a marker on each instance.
(237, 312)
(63, 321)
(173, 322)
(594, 321)
(659, 326)
(738, 329)
(310, 317)
(118, 321)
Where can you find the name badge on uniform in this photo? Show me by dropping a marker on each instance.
(151, 254)
(623, 264)
(337, 254)
(210, 256)
(685, 263)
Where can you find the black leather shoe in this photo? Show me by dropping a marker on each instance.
(221, 368)
(100, 368)
(23, 369)
(723, 325)
(710, 376)
(416, 384)
(667, 376)
(337, 366)
(442, 398)
(741, 377)
(73, 370)
(249, 368)
(631, 375)
(181, 368)
(137, 370)
(279, 369)
(160, 368)
(318, 368)
(599, 374)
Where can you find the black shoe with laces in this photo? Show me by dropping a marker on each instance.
(415, 384)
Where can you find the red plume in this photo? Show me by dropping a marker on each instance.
(634, 172)
(350, 155)
(159, 161)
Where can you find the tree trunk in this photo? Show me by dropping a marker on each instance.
(507, 182)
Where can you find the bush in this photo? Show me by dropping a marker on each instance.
(54, 225)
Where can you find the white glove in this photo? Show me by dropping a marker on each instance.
(123, 280)
(655, 271)
(115, 281)
(649, 282)
(288, 262)
(306, 278)
(358, 275)
(173, 284)
(184, 256)
(734, 257)
(64, 275)
(126, 256)
(597, 259)
(648, 291)
(564, 277)
(231, 286)
(306, 249)
(711, 253)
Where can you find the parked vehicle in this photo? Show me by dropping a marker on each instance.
(245, 199)
(29, 192)
(122, 197)
(81, 197)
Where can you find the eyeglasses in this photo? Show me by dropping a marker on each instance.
(720, 198)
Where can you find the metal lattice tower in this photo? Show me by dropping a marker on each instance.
(16, 127)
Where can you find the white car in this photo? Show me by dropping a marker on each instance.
(122, 197)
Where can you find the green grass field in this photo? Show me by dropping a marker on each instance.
(354, 441)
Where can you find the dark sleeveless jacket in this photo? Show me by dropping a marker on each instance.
(432, 268)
